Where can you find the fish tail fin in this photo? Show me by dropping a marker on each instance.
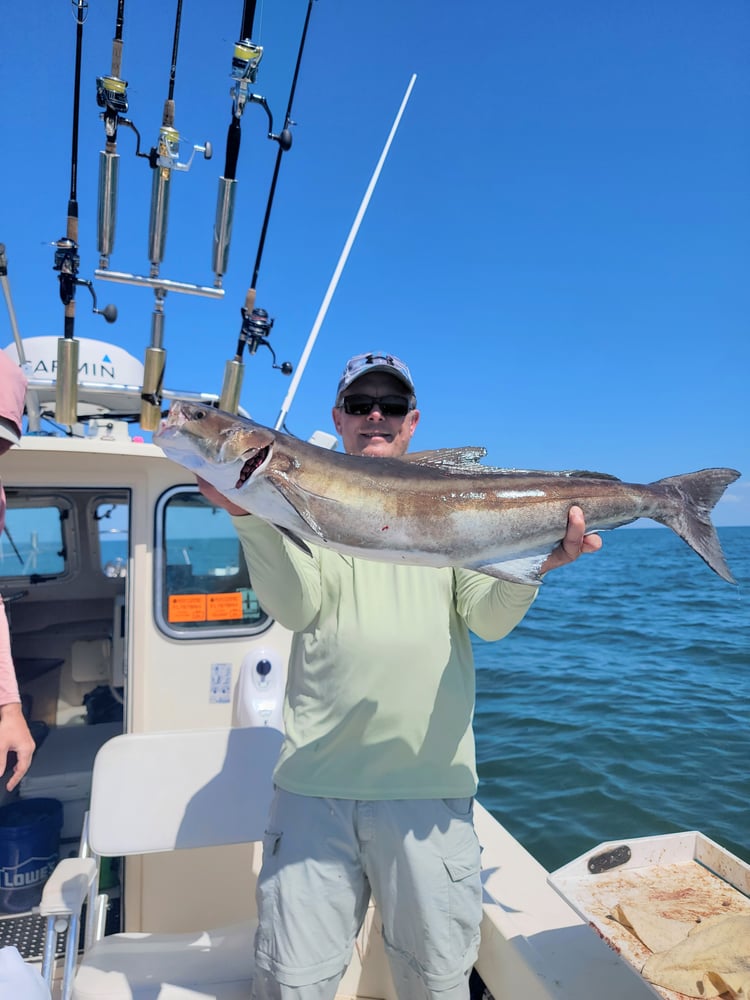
(690, 518)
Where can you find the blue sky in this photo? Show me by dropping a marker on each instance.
(558, 243)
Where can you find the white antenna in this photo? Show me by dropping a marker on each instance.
(342, 261)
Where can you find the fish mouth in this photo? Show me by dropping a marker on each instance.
(252, 465)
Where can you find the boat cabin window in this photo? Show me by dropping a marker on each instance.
(33, 543)
(203, 587)
(112, 519)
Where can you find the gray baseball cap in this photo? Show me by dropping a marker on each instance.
(363, 364)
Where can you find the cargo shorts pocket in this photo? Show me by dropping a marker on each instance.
(463, 866)
(459, 868)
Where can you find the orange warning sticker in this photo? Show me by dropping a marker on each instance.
(187, 608)
(223, 607)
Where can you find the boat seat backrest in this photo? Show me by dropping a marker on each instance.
(169, 790)
(161, 792)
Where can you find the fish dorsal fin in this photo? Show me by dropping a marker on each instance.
(468, 460)
(461, 459)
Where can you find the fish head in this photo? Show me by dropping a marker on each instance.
(223, 448)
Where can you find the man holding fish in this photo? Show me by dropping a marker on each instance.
(377, 773)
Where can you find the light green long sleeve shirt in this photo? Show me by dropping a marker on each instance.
(380, 689)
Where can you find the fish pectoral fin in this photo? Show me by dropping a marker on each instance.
(289, 493)
(524, 570)
(294, 538)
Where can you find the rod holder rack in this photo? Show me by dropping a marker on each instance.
(145, 281)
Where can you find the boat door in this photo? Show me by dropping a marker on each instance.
(131, 609)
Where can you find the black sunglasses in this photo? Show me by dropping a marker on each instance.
(389, 406)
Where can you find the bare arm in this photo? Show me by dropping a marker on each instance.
(14, 733)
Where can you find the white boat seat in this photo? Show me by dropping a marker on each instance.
(155, 792)
(215, 964)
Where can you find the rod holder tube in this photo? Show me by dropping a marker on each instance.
(153, 378)
(66, 381)
(109, 172)
(157, 227)
(234, 371)
(223, 226)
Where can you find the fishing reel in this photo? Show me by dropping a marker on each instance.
(246, 58)
(112, 95)
(67, 262)
(256, 329)
(164, 158)
(166, 154)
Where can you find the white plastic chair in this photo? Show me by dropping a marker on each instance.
(160, 792)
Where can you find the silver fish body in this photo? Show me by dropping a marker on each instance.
(435, 508)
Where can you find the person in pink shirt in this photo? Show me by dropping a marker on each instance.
(14, 732)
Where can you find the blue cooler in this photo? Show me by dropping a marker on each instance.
(29, 851)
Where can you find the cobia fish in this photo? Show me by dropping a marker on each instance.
(431, 508)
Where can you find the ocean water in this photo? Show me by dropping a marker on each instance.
(620, 706)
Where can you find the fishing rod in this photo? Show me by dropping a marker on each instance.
(246, 59)
(256, 323)
(164, 158)
(112, 96)
(67, 261)
(286, 405)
